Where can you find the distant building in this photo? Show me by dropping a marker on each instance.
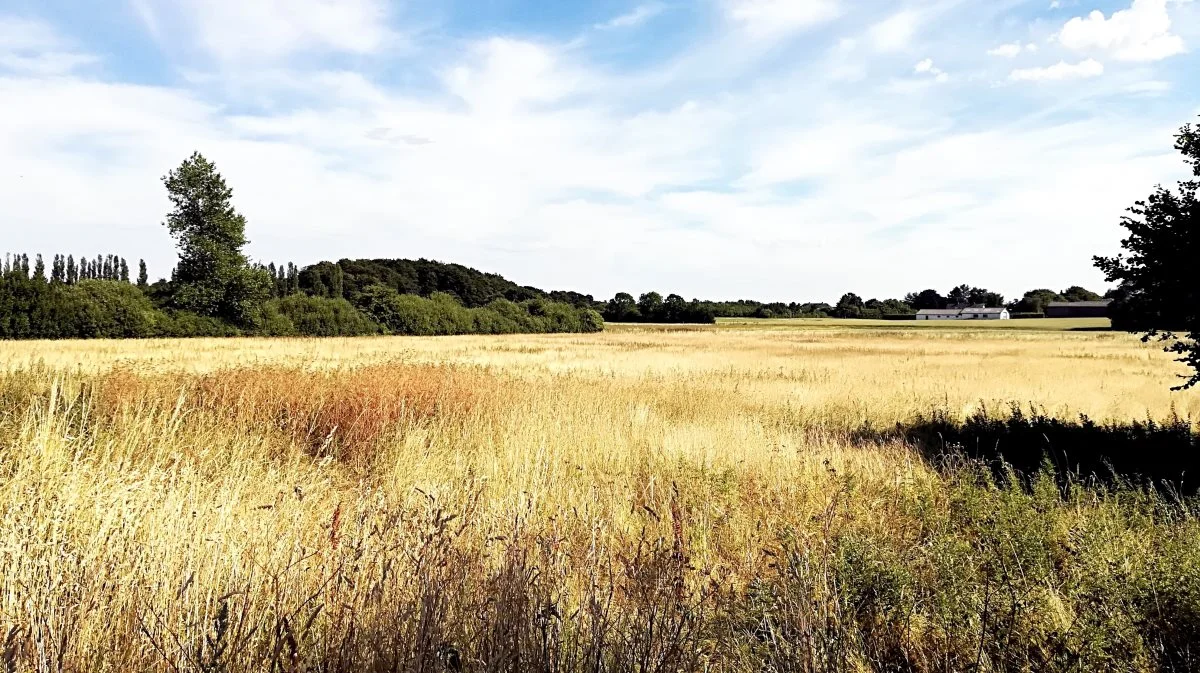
(963, 314)
(1078, 309)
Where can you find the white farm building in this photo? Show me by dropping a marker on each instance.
(963, 314)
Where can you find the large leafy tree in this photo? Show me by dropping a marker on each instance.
(1158, 275)
(849, 306)
(213, 277)
(925, 299)
(622, 308)
(650, 305)
(1077, 293)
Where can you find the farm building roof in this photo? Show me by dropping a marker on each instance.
(941, 311)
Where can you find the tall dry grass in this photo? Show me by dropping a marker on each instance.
(628, 501)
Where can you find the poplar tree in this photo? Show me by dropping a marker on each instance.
(213, 277)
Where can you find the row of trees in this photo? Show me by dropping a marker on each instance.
(651, 307)
(63, 269)
(214, 290)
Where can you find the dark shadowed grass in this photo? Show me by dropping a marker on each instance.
(1163, 455)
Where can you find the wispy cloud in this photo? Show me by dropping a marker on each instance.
(34, 47)
(896, 31)
(636, 17)
(767, 17)
(1012, 50)
(233, 30)
(1059, 71)
(757, 132)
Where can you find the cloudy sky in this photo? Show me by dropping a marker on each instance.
(776, 149)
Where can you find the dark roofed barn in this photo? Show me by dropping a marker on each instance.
(1078, 309)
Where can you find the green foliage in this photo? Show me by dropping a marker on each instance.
(419, 277)
(1077, 293)
(993, 578)
(213, 277)
(317, 316)
(1158, 293)
(652, 308)
(442, 314)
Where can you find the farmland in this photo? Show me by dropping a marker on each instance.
(647, 498)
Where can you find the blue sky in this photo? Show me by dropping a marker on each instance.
(777, 149)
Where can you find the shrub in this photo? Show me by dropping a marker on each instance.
(317, 316)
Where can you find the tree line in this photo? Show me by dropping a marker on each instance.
(651, 307)
(215, 290)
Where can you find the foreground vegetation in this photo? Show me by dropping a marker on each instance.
(674, 501)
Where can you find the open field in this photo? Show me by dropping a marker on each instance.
(643, 499)
(1040, 324)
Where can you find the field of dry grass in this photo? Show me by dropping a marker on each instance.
(642, 499)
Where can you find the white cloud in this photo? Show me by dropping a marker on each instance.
(504, 75)
(1059, 71)
(527, 158)
(895, 32)
(926, 66)
(33, 47)
(1140, 33)
(255, 30)
(1006, 50)
(767, 17)
(1012, 49)
(636, 17)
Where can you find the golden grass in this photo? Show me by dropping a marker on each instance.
(339, 499)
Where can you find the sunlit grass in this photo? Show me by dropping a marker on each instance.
(645, 499)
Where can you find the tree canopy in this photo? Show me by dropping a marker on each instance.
(213, 278)
(1158, 274)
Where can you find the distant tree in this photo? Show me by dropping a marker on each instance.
(895, 307)
(959, 297)
(849, 306)
(925, 299)
(72, 271)
(1158, 292)
(1035, 301)
(58, 270)
(675, 308)
(622, 308)
(982, 297)
(650, 305)
(336, 282)
(39, 269)
(213, 277)
(1077, 293)
(124, 270)
(143, 280)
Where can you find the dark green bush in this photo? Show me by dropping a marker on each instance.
(316, 316)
